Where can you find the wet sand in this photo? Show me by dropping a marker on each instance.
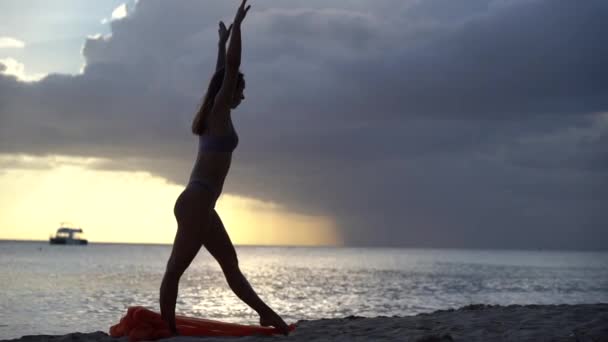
(585, 322)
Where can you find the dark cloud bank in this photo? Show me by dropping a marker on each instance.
(422, 123)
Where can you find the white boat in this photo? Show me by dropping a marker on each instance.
(68, 236)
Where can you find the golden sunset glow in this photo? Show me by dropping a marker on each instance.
(117, 206)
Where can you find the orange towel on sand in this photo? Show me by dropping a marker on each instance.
(141, 324)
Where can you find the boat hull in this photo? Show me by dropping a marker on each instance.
(64, 241)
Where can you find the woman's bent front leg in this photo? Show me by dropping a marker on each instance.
(185, 247)
(188, 241)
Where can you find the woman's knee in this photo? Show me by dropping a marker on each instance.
(185, 247)
(233, 274)
(175, 269)
(230, 263)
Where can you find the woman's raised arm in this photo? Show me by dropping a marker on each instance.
(233, 62)
(221, 48)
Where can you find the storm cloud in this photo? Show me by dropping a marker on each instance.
(416, 123)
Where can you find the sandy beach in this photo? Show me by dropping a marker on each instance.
(585, 322)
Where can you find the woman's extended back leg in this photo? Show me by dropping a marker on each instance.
(221, 248)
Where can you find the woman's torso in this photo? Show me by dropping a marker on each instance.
(215, 153)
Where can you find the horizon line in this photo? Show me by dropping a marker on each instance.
(538, 249)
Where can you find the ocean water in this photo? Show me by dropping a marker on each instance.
(61, 289)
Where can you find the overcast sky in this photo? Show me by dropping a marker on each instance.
(423, 123)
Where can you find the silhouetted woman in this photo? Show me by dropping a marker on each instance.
(198, 222)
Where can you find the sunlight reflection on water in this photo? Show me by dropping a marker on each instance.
(59, 289)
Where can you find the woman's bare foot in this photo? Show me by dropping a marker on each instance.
(271, 319)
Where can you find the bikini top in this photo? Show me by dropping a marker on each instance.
(222, 143)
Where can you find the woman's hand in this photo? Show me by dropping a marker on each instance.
(241, 13)
(223, 32)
